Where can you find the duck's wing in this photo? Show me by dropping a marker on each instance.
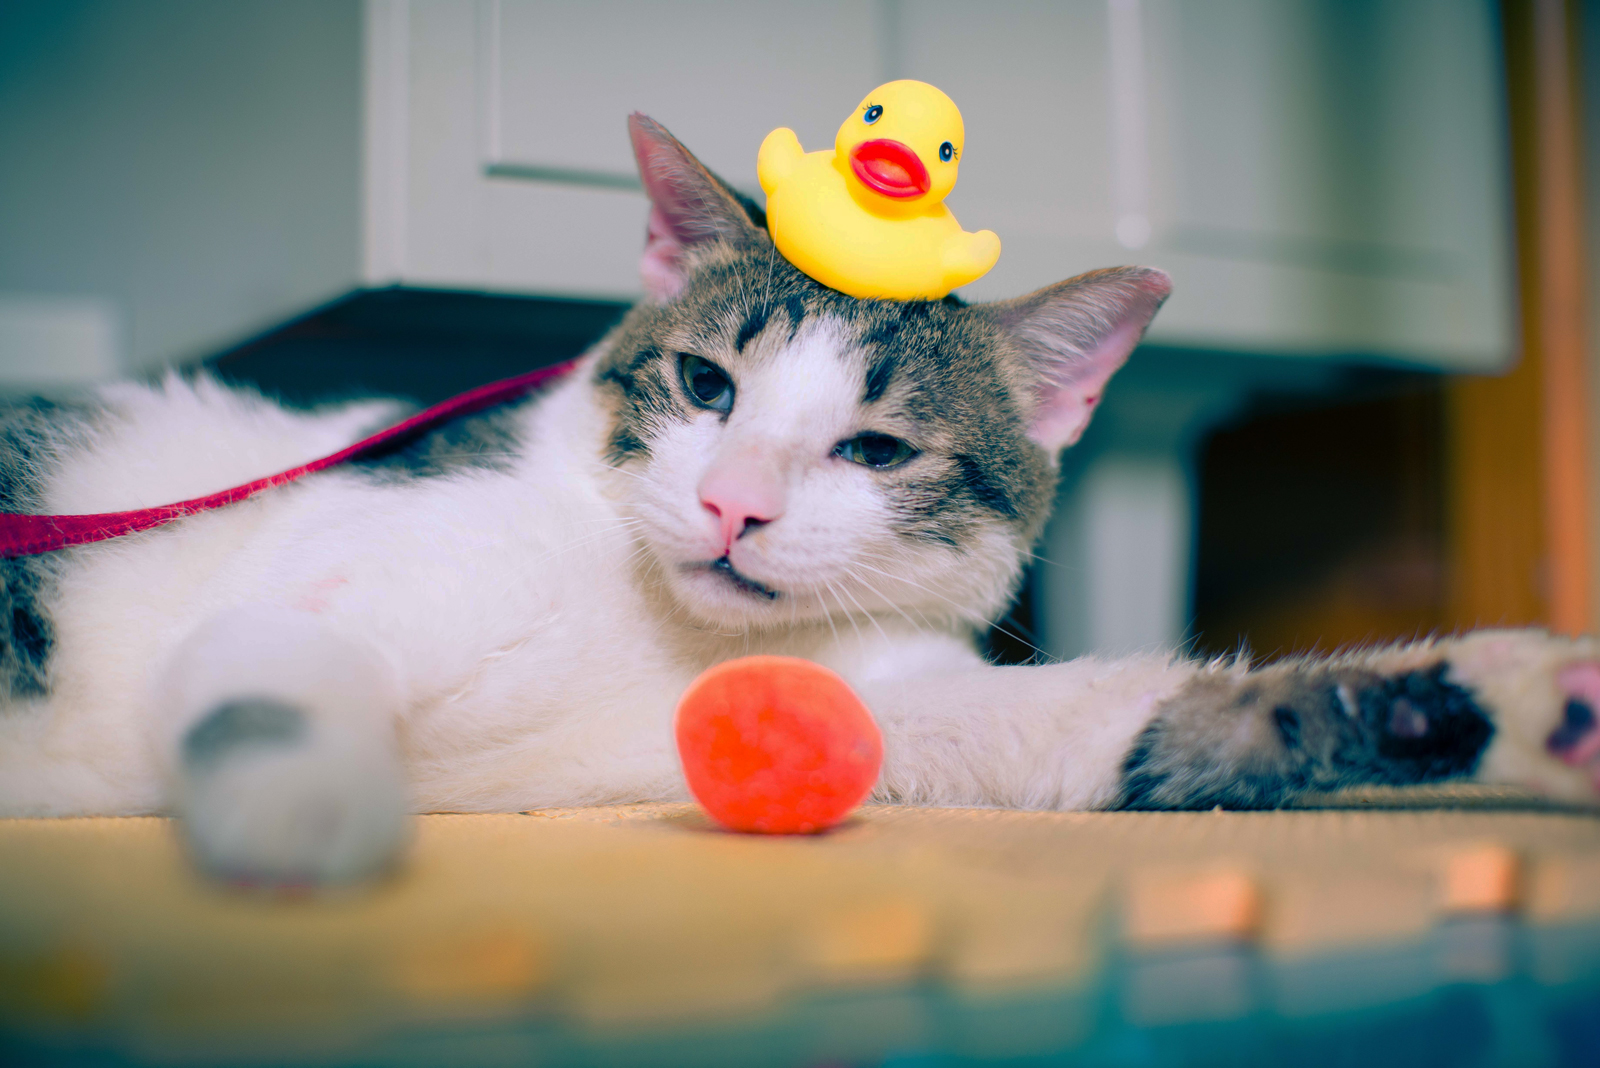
(969, 256)
(780, 151)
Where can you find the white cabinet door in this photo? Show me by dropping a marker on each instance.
(515, 161)
(719, 73)
(1332, 175)
(1321, 177)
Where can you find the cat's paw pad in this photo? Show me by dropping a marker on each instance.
(1576, 740)
(1417, 726)
(271, 799)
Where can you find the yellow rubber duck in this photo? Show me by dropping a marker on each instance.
(867, 217)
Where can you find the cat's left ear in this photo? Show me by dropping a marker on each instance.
(1073, 336)
(688, 206)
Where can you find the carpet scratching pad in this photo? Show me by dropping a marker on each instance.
(776, 745)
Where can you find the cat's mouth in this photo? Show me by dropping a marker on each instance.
(743, 583)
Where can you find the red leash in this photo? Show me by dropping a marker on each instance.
(28, 535)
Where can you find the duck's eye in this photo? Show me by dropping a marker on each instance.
(873, 114)
(875, 450)
(707, 384)
(947, 152)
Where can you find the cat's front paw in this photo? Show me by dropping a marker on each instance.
(1260, 738)
(1543, 693)
(271, 798)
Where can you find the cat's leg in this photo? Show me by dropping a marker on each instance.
(1505, 707)
(280, 740)
(958, 731)
(1510, 707)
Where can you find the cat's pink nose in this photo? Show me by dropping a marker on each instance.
(741, 501)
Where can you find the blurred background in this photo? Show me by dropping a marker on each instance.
(1364, 413)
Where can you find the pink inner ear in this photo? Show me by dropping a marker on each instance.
(1068, 399)
(660, 268)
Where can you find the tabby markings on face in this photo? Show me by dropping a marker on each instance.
(886, 435)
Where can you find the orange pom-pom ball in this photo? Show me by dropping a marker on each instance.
(777, 745)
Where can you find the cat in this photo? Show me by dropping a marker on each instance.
(500, 616)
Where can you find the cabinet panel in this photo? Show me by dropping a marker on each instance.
(719, 73)
(1342, 121)
(1344, 141)
(458, 227)
(1031, 79)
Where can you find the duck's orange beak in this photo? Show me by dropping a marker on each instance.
(890, 168)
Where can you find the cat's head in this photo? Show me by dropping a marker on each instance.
(804, 454)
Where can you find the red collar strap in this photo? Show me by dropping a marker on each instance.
(29, 535)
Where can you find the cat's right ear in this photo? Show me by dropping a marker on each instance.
(1073, 337)
(688, 206)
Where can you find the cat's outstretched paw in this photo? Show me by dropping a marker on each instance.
(1544, 694)
(271, 798)
(1509, 707)
(1260, 738)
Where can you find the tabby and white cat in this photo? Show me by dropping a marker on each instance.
(501, 616)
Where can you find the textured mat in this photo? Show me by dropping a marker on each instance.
(638, 923)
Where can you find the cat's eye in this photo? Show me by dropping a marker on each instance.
(875, 450)
(706, 383)
(873, 114)
(947, 152)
